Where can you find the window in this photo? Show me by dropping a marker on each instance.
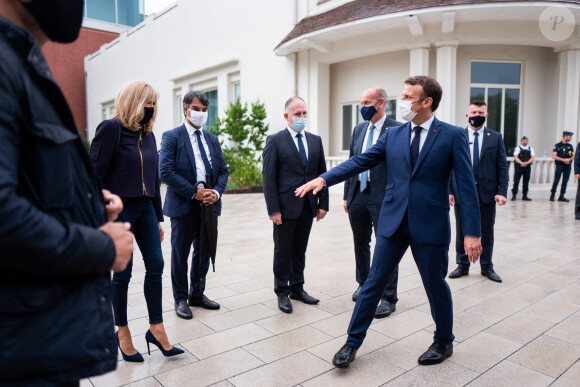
(391, 108)
(237, 91)
(499, 85)
(125, 12)
(107, 109)
(212, 112)
(350, 118)
(178, 116)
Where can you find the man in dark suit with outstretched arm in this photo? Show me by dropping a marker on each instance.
(292, 157)
(364, 193)
(419, 157)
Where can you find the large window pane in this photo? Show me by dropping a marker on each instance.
(212, 112)
(130, 12)
(103, 10)
(237, 91)
(494, 102)
(391, 109)
(346, 126)
(512, 106)
(359, 117)
(496, 73)
(477, 93)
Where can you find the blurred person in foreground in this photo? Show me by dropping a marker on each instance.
(124, 154)
(58, 244)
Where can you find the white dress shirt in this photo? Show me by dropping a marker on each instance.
(520, 147)
(470, 133)
(294, 133)
(426, 126)
(199, 165)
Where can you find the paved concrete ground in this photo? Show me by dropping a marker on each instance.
(525, 331)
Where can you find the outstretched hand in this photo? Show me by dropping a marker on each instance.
(313, 185)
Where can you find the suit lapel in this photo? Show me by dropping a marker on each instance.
(187, 142)
(431, 136)
(407, 143)
(290, 142)
(312, 150)
(361, 139)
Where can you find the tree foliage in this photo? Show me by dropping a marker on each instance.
(242, 134)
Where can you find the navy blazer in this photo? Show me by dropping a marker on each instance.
(421, 192)
(577, 160)
(378, 174)
(177, 169)
(493, 169)
(282, 173)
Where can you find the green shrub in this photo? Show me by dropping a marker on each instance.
(242, 133)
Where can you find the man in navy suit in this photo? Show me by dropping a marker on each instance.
(419, 158)
(189, 153)
(292, 157)
(491, 179)
(364, 193)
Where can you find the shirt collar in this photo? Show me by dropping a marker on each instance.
(471, 131)
(294, 133)
(425, 125)
(191, 130)
(379, 124)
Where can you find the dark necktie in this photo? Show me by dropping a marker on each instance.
(415, 146)
(369, 145)
(203, 154)
(301, 150)
(476, 156)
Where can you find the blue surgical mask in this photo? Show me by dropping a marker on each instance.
(299, 124)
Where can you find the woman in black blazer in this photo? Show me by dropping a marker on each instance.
(124, 155)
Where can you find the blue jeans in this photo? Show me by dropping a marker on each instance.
(140, 213)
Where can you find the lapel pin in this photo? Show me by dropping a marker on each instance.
(489, 134)
(435, 131)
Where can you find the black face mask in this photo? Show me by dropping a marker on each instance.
(149, 111)
(368, 112)
(60, 20)
(476, 121)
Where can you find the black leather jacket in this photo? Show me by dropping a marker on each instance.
(56, 322)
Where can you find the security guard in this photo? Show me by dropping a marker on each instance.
(523, 158)
(563, 153)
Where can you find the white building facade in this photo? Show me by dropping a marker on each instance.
(521, 57)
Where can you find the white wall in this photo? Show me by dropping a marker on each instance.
(193, 36)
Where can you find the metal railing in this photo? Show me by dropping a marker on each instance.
(542, 168)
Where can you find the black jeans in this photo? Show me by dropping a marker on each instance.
(140, 213)
(564, 171)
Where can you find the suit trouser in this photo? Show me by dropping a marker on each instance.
(432, 262)
(184, 234)
(518, 173)
(487, 214)
(564, 171)
(290, 242)
(363, 214)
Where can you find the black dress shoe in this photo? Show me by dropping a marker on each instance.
(284, 304)
(436, 354)
(552, 197)
(204, 302)
(527, 199)
(355, 294)
(563, 199)
(513, 197)
(385, 309)
(344, 356)
(492, 275)
(459, 272)
(182, 310)
(304, 297)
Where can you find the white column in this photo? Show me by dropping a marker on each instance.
(418, 59)
(446, 76)
(568, 90)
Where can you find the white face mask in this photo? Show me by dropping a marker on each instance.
(405, 110)
(197, 118)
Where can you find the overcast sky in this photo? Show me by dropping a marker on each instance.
(152, 6)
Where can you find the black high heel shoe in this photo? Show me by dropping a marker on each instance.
(136, 358)
(149, 338)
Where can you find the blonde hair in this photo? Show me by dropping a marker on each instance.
(130, 105)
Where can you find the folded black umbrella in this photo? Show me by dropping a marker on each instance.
(208, 233)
